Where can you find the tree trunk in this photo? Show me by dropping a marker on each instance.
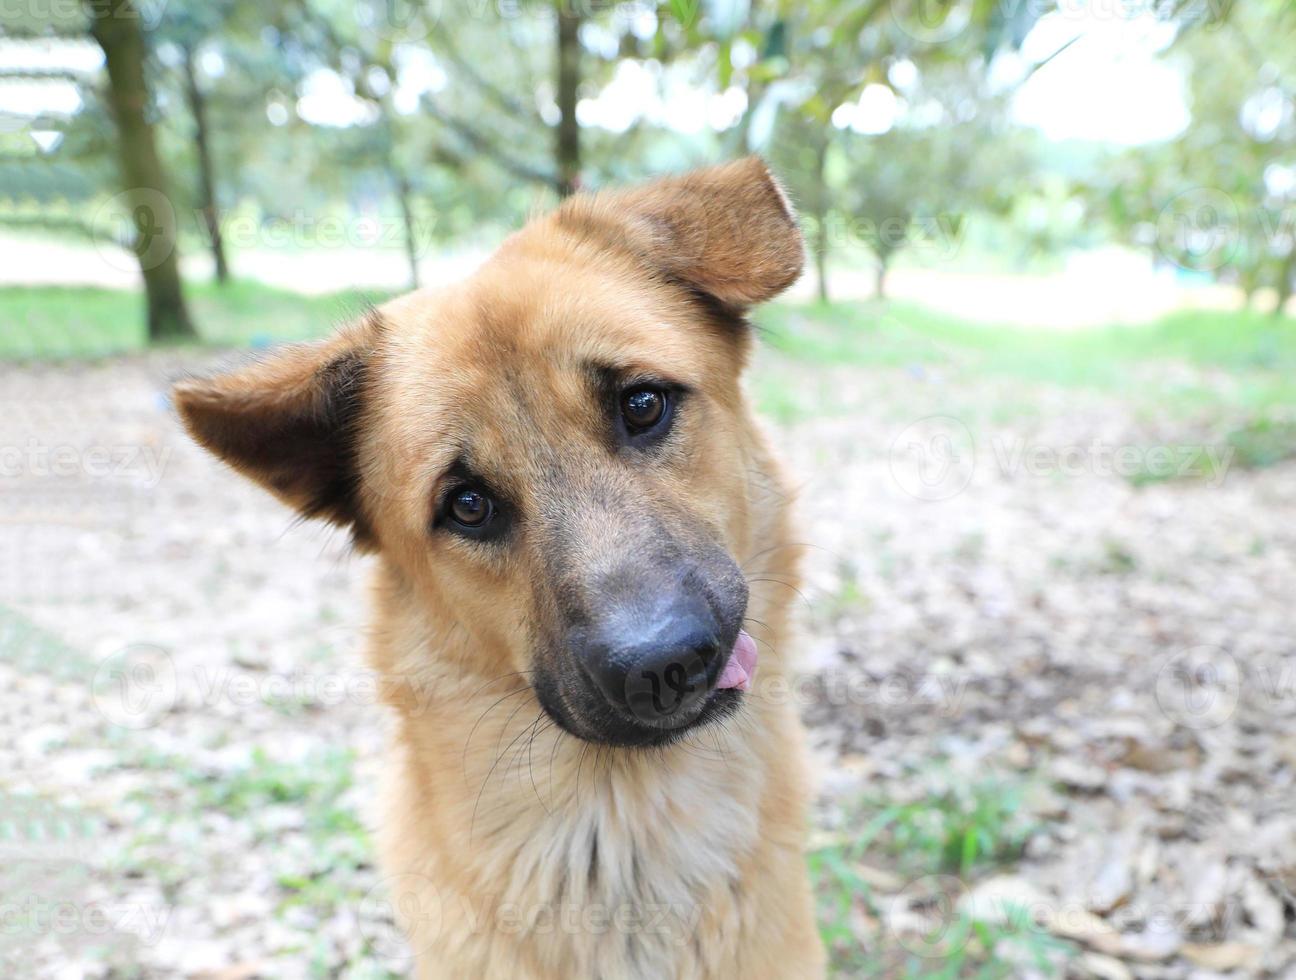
(821, 220)
(403, 192)
(115, 25)
(821, 255)
(568, 145)
(206, 173)
(1286, 282)
(879, 277)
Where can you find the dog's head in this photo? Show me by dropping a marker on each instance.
(554, 455)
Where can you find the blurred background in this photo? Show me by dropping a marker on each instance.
(1037, 388)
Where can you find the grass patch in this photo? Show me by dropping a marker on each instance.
(317, 785)
(938, 845)
(959, 829)
(1243, 357)
(1263, 442)
(55, 322)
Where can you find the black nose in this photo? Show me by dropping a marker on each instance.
(659, 670)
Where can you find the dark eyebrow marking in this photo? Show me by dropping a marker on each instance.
(612, 378)
(715, 311)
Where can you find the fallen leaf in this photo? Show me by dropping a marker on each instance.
(1221, 957)
(1104, 967)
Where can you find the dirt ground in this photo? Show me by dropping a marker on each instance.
(991, 611)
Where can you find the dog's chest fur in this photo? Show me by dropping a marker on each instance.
(636, 867)
(598, 865)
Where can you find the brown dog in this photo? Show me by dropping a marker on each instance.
(575, 517)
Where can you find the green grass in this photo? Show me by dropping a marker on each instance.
(1243, 358)
(47, 322)
(317, 785)
(1257, 351)
(1263, 442)
(940, 844)
(959, 829)
(1232, 373)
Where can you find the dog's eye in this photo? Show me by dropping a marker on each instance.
(471, 508)
(643, 407)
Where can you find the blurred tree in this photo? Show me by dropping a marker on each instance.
(408, 68)
(803, 65)
(1220, 199)
(214, 61)
(800, 156)
(206, 172)
(567, 136)
(116, 27)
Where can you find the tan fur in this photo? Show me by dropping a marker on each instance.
(512, 849)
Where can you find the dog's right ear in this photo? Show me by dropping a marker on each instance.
(290, 422)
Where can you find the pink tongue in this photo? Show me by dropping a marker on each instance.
(741, 665)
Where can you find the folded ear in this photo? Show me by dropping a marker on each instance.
(290, 422)
(728, 231)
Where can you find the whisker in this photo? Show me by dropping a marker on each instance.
(507, 722)
(472, 826)
(552, 755)
(537, 731)
(481, 718)
(779, 581)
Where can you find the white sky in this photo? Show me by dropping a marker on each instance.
(1109, 86)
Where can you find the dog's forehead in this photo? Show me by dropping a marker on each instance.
(507, 359)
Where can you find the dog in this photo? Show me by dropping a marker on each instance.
(584, 563)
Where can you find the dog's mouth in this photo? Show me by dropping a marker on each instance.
(661, 705)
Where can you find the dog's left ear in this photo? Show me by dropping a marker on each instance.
(728, 231)
(290, 422)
